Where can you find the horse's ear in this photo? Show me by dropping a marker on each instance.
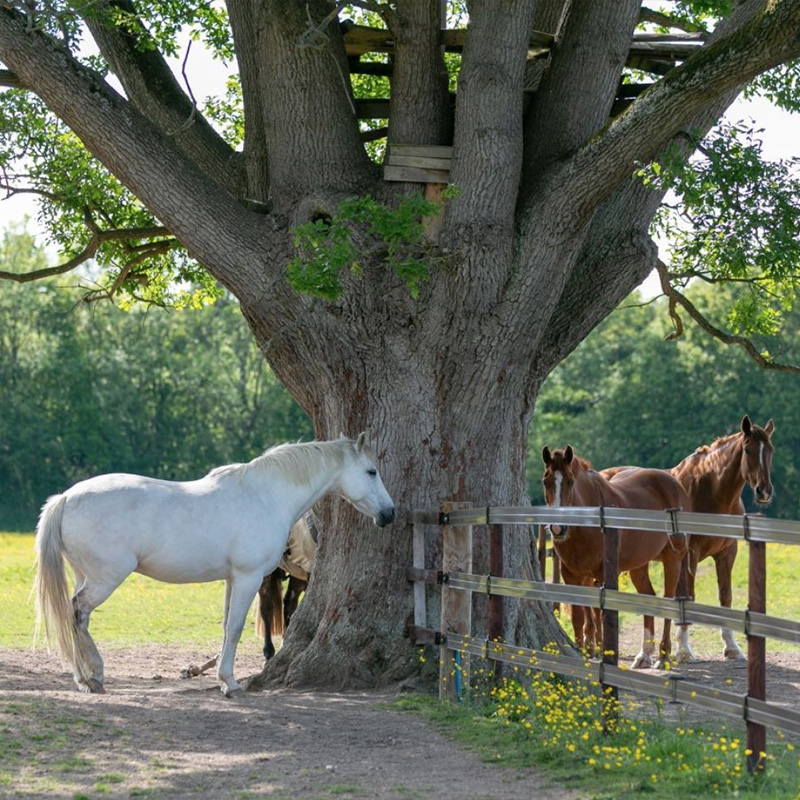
(362, 441)
(547, 459)
(568, 454)
(747, 426)
(769, 428)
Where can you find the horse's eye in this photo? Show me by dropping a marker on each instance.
(372, 472)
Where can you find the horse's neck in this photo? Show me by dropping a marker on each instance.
(590, 488)
(721, 464)
(296, 498)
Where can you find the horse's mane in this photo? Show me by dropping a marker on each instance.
(294, 461)
(717, 443)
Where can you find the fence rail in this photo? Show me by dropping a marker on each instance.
(731, 526)
(458, 584)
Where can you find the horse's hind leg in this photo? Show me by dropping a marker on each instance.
(88, 666)
(724, 564)
(644, 658)
(673, 562)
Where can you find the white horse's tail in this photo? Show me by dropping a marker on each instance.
(53, 602)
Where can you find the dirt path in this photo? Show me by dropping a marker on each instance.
(159, 737)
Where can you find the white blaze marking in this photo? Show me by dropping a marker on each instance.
(557, 494)
(761, 456)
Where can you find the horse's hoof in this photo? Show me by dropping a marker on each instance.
(92, 686)
(734, 654)
(685, 657)
(642, 661)
(664, 664)
(233, 694)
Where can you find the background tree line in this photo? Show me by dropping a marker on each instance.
(87, 388)
(627, 396)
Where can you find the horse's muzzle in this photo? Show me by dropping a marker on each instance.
(385, 516)
(763, 495)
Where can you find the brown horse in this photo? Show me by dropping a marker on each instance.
(714, 477)
(570, 481)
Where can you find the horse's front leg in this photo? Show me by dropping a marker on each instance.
(242, 590)
(684, 654)
(644, 658)
(724, 564)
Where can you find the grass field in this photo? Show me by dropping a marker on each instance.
(783, 568)
(141, 610)
(144, 610)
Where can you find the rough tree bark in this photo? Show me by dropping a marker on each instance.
(547, 234)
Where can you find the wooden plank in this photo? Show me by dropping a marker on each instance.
(456, 604)
(360, 39)
(432, 150)
(418, 544)
(539, 44)
(424, 575)
(496, 602)
(372, 108)
(415, 175)
(757, 655)
(426, 162)
(422, 635)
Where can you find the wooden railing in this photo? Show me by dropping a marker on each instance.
(458, 584)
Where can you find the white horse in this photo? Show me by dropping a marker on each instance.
(232, 524)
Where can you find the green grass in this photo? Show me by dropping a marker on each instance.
(783, 567)
(141, 610)
(644, 760)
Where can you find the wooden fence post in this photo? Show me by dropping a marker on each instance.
(456, 603)
(756, 652)
(610, 620)
(496, 620)
(418, 556)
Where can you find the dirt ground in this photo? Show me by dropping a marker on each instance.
(155, 735)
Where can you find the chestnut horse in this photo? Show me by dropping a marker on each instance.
(570, 481)
(714, 477)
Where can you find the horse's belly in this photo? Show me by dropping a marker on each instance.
(183, 570)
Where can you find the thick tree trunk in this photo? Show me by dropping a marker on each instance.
(437, 441)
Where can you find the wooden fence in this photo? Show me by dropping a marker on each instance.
(459, 584)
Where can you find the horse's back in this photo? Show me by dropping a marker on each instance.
(172, 531)
(649, 489)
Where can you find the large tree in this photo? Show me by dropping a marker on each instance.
(438, 347)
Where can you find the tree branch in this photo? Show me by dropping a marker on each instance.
(575, 96)
(213, 226)
(419, 111)
(243, 16)
(487, 146)
(754, 39)
(304, 157)
(669, 21)
(9, 79)
(154, 91)
(678, 299)
(97, 238)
